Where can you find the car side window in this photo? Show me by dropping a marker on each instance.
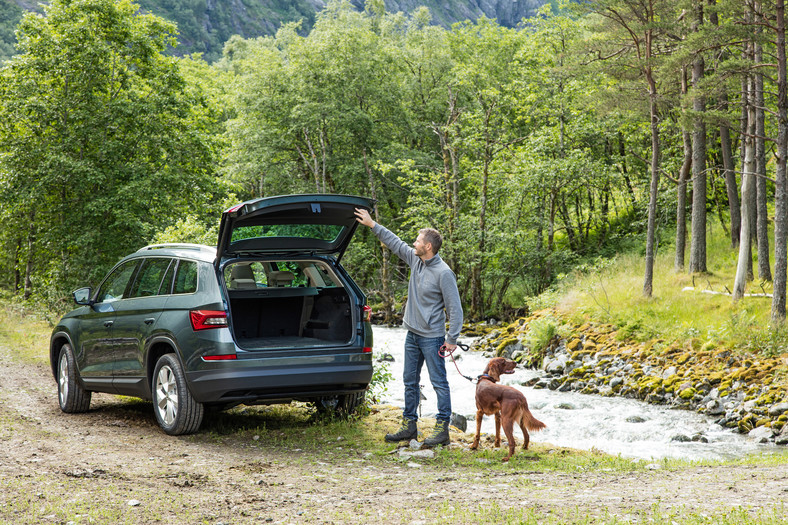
(149, 277)
(114, 286)
(185, 278)
(166, 284)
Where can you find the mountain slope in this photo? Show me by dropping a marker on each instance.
(205, 25)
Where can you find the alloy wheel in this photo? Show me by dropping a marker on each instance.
(167, 395)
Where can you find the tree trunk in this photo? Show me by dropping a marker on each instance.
(731, 186)
(681, 192)
(648, 281)
(697, 260)
(747, 191)
(728, 165)
(780, 206)
(762, 226)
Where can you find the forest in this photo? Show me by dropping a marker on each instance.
(596, 127)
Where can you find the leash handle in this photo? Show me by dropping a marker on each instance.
(445, 352)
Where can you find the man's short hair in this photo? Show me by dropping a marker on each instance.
(432, 236)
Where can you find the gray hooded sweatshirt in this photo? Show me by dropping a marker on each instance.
(431, 289)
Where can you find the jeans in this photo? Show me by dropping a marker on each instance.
(420, 350)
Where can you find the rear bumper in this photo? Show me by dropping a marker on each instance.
(275, 380)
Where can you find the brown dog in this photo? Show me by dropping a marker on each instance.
(506, 402)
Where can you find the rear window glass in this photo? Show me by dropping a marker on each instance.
(278, 274)
(186, 277)
(321, 232)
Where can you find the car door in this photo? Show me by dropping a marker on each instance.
(95, 328)
(135, 320)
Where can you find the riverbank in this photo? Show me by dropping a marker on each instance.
(743, 391)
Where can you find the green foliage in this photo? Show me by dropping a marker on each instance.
(381, 377)
(103, 143)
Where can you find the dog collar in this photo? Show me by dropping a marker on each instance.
(485, 376)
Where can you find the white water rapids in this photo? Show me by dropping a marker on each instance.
(608, 424)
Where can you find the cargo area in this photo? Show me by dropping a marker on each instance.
(281, 304)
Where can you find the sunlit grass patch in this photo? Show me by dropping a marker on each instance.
(25, 333)
(683, 307)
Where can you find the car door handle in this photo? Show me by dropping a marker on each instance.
(150, 320)
(108, 323)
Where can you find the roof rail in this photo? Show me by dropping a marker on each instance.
(178, 246)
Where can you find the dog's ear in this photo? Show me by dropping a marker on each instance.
(494, 368)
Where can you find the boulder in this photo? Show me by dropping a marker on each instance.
(459, 421)
(760, 434)
(778, 409)
(782, 437)
(715, 407)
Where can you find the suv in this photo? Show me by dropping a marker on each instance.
(269, 316)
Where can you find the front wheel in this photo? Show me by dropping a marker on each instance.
(176, 410)
(72, 397)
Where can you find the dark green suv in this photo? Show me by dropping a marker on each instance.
(269, 316)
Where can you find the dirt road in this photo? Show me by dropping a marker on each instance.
(113, 465)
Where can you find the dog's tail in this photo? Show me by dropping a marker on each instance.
(530, 422)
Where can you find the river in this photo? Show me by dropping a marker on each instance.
(610, 424)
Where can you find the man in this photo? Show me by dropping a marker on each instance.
(431, 289)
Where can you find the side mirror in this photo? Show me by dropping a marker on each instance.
(82, 296)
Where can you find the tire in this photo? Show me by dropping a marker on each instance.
(73, 398)
(349, 403)
(176, 410)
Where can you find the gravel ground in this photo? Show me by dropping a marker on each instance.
(114, 465)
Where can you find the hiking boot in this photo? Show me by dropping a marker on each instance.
(440, 435)
(406, 432)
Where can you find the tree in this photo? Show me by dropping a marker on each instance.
(103, 144)
(697, 261)
(635, 33)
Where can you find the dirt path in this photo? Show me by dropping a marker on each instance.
(114, 465)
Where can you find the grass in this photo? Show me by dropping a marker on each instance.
(25, 332)
(612, 292)
(295, 434)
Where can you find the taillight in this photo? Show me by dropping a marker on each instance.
(207, 319)
(366, 313)
(367, 350)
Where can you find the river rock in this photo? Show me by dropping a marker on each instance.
(715, 408)
(681, 438)
(556, 366)
(636, 419)
(782, 437)
(459, 421)
(423, 454)
(778, 409)
(760, 434)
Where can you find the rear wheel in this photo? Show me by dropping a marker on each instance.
(350, 403)
(176, 410)
(344, 405)
(72, 397)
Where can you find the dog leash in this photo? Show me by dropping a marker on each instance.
(445, 352)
